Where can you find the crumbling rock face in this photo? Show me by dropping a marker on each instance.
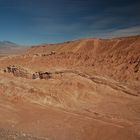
(45, 54)
(41, 75)
(35, 75)
(18, 71)
(24, 73)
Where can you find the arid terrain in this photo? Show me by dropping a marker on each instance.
(87, 89)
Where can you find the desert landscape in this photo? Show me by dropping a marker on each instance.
(86, 89)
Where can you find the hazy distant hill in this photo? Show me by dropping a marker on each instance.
(7, 43)
(7, 47)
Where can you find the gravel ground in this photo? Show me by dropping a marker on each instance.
(6, 134)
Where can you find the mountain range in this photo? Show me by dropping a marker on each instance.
(8, 47)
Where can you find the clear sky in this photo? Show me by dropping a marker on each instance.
(50, 21)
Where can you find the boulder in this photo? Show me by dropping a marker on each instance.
(44, 75)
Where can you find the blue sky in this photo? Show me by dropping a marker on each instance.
(51, 21)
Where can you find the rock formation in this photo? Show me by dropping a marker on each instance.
(18, 71)
(41, 75)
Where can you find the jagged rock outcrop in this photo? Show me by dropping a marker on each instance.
(41, 75)
(18, 71)
(45, 54)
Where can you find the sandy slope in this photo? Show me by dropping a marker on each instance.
(93, 91)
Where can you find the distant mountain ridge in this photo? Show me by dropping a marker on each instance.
(8, 44)
(8, 47)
